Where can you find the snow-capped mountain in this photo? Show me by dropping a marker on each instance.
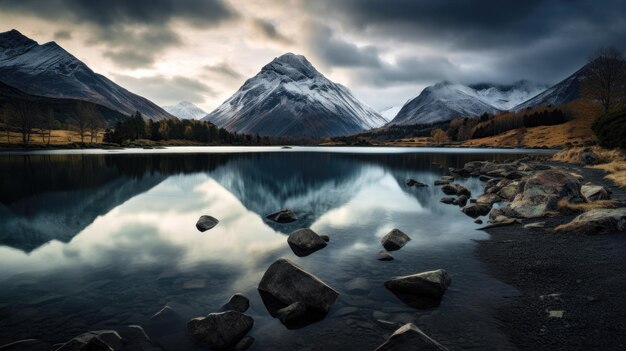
(562, 92)
(49, 70)
(389, 113)
(440, 102)
(289, 97)
(445, 101)
(505, 97)
(185, 110)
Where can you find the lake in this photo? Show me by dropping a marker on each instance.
(97, 239)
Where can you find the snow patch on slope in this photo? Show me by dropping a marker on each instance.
(185, 110)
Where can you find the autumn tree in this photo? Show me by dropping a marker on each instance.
(605, 82)
(439, 136)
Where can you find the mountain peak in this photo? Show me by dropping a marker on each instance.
(14, 43)
(291, 65)
(185, 110)
(289, 97)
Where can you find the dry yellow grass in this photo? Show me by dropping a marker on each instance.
(574, 132)
(612, 161)
(566, 206)
(58, 137)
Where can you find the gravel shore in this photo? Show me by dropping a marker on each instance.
(572, 288)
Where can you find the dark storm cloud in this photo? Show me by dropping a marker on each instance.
(201, 13)
(268, 30)
(137, 31)
(335, 51)
(224, 69)
(539, 40)
(474, 24)
(166, 90)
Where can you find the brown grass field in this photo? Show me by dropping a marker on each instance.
(57, 137)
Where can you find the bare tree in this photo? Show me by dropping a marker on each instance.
(84, 115)
(96, 124)
(24, 117)
(605, 82)
(48, 124)
(7, 111)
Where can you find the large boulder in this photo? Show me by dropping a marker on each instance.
(594, 192)
(597, 221)
(448, 200)
(206, 222)
(489, 199)
(304, 242)
(456, 189)
(284, 215)
(238, 303)
(432, 284)
(105, 340)
(287, 283)
(542, 191)
(292, 312)
(477, 209)
(394, 240)
(220, 331)
(410, 338)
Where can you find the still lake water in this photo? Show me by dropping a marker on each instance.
(98, 239)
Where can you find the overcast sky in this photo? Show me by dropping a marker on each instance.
(385, 51)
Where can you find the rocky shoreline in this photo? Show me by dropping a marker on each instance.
(570, 285)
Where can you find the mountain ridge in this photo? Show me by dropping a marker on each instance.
(289, 97)
(51, 71)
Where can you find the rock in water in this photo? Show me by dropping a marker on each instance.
(238, 303)
(220, 330)
(449, 189)
(304, 242)
(394, 240)
(597, 221)
(410, 338)
(462, 200)
(292, 312)
(448, 200)
(206, 222)
(104, 340)
(384, 256)
(283, 216)
(288, 283)
(477, 209)
(456, 189)
(325, 237)
(244, 344)
(594, 192)
(415, 183)
(431, 284)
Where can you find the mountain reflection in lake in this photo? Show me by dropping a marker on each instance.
(95, 241)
